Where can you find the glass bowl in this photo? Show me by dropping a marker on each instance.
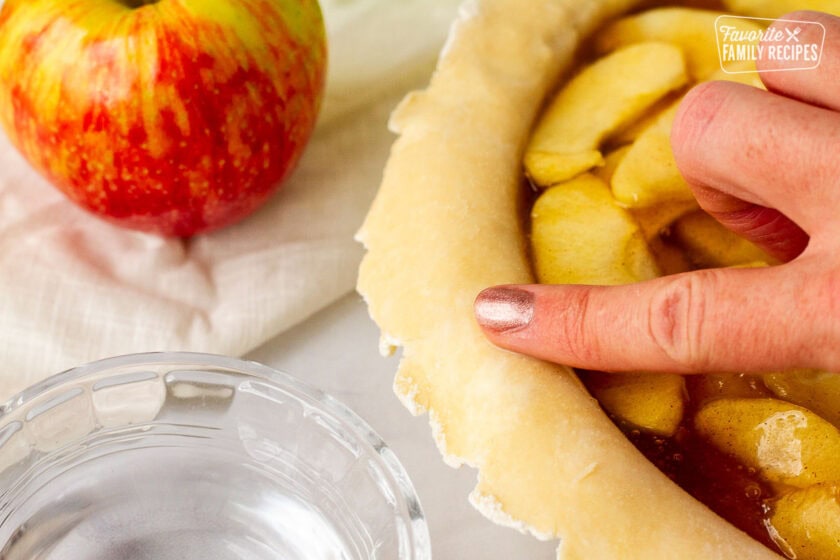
(182, 456)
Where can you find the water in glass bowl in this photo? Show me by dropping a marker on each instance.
(208, 463)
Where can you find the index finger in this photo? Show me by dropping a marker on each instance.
(716, 320)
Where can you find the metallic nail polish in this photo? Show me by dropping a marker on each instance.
(504, 309)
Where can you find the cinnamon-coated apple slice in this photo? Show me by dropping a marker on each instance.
(657, 219)
(786, 443)
(632, 131)
(654, 402)
(815, 390)
(806, 523)
(611, 161)
(691, 29)
(648, 174)
(602, 99)
(709, 244)
(778, 8)
(579, 235)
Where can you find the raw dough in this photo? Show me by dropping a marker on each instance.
(446, 224)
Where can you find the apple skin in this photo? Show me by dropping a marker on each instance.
(175, 117)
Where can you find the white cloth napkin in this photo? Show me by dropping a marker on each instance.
(74, 289)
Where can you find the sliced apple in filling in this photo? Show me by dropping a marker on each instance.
(806, 523)
(632, 131)
(579, 235)
(778, 8)
(784, 442)
(656, 220)
(653, 402)
(713, 386)
(815, 390)
(602, 99)
(611, 161)
(648, 174)
(669, 257)
(618, 211)
(709, 244)
(691, 29)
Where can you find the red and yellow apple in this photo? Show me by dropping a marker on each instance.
(170, 116)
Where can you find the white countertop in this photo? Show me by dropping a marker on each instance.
(337, 351)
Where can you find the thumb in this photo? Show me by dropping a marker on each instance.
(717, 320)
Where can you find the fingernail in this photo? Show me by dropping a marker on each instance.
(504, 309)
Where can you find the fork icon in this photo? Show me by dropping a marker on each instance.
(792, 35)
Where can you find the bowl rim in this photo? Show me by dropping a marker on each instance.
(396, 476)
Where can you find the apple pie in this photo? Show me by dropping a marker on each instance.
(499, 158)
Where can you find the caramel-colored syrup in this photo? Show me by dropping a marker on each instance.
(730, 489)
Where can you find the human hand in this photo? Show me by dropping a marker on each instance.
(766, 165)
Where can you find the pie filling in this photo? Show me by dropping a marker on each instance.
(610, 208)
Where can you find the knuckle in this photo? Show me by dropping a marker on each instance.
(573, 329)
(676, 318)
(766, 227)
(702, 110)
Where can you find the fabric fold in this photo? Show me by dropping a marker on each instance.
(74, 288)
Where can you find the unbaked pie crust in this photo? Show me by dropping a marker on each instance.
(445, 224)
